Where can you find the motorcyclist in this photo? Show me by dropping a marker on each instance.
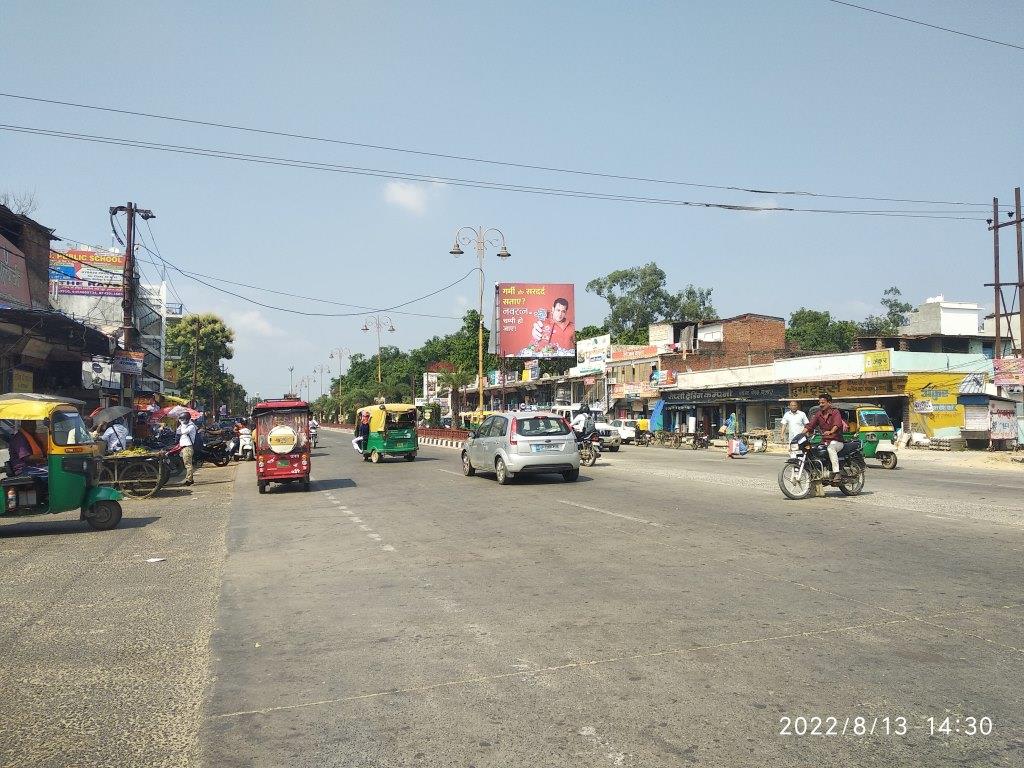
(583, 423)
(314, 429)
(830, 422)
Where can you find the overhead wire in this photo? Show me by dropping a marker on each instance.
(473, 183)
(926, 24)
(485, 161)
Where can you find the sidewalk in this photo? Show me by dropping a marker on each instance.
(104, 656)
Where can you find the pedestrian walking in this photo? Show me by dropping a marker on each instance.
(793, 422)
(187, 439)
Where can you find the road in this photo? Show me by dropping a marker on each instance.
(670, 608)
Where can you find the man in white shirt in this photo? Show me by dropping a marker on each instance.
(187, 439)
(793, 422)
(117, 437)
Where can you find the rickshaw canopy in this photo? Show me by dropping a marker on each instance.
(32, 409)
(378, 413)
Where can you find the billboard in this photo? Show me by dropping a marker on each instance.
(1009, 371)
(536, 320)
(88, 268)
(128, 362)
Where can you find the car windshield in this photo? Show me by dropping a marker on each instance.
(69, 429)
(541, 426)
(875, 419)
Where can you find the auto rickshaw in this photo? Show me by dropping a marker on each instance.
(281, 439)
(870, 424)
(392, 432)
(67, 465)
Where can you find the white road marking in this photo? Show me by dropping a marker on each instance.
(365, 528)
(450, 472)
(356, 520)
(388, 548)
(375, 536)
(609, 512)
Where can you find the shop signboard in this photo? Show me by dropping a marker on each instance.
(1009, 371)
(848, 388)
(536, 320)
(595, 350)
(755, 394)
(21, 380)
(1004, 420)
(637, 390)
(14, 291)
(129, 363)
(664, 378)
(878, 361)
(633, 351)
(430, 386)
(934, 409)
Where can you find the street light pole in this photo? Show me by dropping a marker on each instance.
(342, 352)
(378, 322)
(481, 239)
(291, 380)
(321, 368)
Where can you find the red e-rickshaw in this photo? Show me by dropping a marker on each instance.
(282, 442)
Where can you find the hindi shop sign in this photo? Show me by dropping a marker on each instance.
(536, 320)
(1009, 371)
(768, 392)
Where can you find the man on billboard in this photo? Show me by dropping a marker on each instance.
(556, 330)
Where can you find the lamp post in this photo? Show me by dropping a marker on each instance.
(291, 380)
(481, 238)
(341, 352)
(378, 323)
(321, 368)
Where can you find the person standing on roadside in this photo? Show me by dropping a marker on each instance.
(793, 422)
(187, 439)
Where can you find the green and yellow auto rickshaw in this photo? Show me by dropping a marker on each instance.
(870, 424)
(62, 472)
(392, 432)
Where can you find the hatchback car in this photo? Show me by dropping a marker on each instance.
(522, 443)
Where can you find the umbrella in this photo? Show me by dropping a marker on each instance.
(107, 415)
(174, 411)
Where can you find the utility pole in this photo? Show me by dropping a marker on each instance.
(128, 282)
(195, 364)
(1019, 343)
(1001, 309)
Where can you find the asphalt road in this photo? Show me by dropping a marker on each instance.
(670, 608)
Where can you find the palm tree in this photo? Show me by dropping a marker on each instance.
(453, 382)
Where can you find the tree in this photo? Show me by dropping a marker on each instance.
(214, 344)
(895, 315)
(816, 331)
(24, 203)
(637, 297)
(590, 331)
(453, 382)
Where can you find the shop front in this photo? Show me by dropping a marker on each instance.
(889, 393)
(754, 406)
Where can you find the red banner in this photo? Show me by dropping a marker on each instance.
(536, 320)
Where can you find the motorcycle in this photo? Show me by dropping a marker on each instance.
(701, 440)
(644, 438)
(313, 435)
(241, 447)
(214, 451)
(804, 475)
(172, 462)
(589, 448)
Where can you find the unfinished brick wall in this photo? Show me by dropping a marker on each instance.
(749, 340)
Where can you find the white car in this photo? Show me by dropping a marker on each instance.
(626, 429)
(611, 440)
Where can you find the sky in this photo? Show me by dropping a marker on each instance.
(804, 95)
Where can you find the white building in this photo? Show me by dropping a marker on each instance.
(946, 318)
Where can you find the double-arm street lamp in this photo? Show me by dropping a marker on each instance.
(322, 369)
(481, 238)
(378, 323)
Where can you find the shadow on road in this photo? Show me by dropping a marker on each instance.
(60, 527)
(331, 483)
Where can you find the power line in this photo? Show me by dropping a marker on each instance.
(930, 26)
(484, 161)
(472, 183)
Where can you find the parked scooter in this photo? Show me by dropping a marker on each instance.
(701, 440)
(214, 451)
(243, 450)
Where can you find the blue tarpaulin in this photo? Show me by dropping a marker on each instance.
(658, 416)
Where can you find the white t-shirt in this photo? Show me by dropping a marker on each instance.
(794, 423)
(187, 434)
(581, 421)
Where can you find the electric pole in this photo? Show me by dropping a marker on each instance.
(195, 363)
(1001, 310)
(129, 336)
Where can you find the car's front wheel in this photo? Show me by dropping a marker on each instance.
(467, 465)
(571, 476)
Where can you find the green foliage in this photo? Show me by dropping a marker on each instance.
(203, 341)
(590, 331)
(895, 315)
(637, 297)
(817, 331)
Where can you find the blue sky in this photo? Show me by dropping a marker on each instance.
(792, 95)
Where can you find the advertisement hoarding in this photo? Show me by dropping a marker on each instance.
(128, 362)
(536, 320)
(1009, 371)
(96, 267)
